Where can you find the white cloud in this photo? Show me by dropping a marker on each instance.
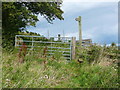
(91, 33)
(95, 34)
(41, 18)
(75, 34)
(113, 30)
(87, 34)
(83, 5)
(42, 31)
(105, 25)
(78, 6)
(90, 0)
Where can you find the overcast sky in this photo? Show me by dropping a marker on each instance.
(99, 21)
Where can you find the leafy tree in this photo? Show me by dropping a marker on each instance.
(16, 16)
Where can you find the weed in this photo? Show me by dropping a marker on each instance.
(57, 72)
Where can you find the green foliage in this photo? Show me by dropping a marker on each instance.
(28, 33)
(56, 73)
(113, 44)
(95, 76)
(89, 54)
(98, 54)
(16, 16)
(111, 52)
(94, 53)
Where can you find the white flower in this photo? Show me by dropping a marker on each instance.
(7, 80)
(46, 76)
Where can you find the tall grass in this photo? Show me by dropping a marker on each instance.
(58, 72)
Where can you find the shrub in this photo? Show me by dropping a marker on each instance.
(89, 54)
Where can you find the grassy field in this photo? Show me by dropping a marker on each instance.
(98, 70)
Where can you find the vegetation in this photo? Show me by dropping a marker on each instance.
(16, 16)
(43, 72)
(94, 67)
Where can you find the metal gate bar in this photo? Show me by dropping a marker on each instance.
(63, 40)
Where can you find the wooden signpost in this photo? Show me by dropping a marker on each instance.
(80, 29)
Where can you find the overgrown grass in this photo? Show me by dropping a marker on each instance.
(58, 72)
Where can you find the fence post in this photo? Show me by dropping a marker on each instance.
(15, 41)
(32, 45)
(73, 47)
(32, 42)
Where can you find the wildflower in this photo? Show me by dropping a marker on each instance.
(46, 76)
(7, 80)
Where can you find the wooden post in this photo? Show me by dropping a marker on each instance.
(73, 47)
(80, 29)
(32, 42)
(15, 41)
(32, 45)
